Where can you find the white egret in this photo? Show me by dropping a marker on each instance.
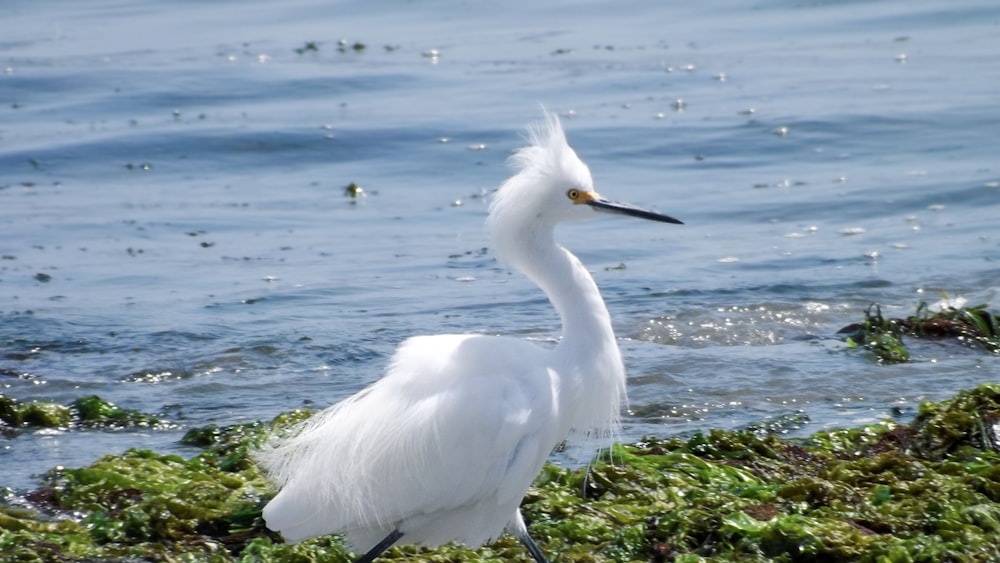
(445, 445)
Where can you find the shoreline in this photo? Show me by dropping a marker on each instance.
(928, 490)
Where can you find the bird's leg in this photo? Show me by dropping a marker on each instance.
(383, 545)
(517, 527)
(532, 547)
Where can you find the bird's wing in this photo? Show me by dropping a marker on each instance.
(456, 420)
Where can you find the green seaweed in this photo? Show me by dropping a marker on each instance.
(924, 491)
(883, 336)
(973, 324)
(963, 426)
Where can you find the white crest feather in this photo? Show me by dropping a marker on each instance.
(544, 170)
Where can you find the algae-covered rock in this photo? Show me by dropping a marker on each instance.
(86, 412)
(46, 415)
(928, 491)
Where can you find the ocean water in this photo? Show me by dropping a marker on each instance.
(176, 236)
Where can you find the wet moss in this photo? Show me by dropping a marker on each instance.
(926, 491)
(46, 415)
(94, 411)
(85, 412)
(230, 446)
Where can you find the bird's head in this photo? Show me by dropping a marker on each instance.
(551, 185)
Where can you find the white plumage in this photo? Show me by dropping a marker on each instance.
(445, 445)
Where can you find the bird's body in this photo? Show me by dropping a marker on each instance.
(444, 446)
(416, 471)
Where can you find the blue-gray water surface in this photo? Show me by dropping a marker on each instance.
(176, 236)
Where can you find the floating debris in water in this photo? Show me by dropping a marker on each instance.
(353, 190)
(343, 46)
(309, 47)
(851, 231)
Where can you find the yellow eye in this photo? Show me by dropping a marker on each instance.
(574, 195)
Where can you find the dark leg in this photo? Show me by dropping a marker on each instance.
(533, 549)
(383, 545)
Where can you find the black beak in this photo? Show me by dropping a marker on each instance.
(600, 204)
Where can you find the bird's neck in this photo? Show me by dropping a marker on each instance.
(595, 376)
